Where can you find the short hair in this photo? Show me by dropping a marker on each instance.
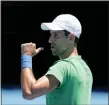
(76, 38)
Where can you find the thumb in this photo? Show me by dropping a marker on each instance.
(39, 49)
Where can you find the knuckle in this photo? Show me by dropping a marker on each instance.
(27, 44)
(34, 44)
(22, 45)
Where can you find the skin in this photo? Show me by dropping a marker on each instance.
(61, 46)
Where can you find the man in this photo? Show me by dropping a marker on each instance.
(69, 80)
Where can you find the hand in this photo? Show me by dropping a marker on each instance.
(30, 49)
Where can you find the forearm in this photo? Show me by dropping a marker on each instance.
(27, 81)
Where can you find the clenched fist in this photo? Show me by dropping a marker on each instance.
(30, 49)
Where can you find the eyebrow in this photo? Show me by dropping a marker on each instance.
(54, 32)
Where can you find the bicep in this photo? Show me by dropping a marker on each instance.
(44, 85)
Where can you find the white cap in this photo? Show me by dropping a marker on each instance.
(66, 22)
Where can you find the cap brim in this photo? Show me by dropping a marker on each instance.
(50, 26)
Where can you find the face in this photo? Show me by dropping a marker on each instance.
(58, 41)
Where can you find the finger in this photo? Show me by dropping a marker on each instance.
(30, 44)
(42, 48)
(22, 45)
(34, 45)
(39, 49)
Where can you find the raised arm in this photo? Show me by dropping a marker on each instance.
(32, 88)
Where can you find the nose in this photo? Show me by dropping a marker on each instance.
(50, 39)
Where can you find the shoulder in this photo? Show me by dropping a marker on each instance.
(58, 71)
(60, 63)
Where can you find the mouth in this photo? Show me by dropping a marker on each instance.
(52, 47)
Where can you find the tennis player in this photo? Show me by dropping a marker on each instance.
(69, 80)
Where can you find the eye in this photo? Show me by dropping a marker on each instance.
(56, 35)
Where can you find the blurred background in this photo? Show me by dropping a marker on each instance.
(20, 23)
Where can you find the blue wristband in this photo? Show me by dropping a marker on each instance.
(26, 61)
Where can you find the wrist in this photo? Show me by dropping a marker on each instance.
(26, 54)
(26, 61)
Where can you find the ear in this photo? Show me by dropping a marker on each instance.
(71, 36)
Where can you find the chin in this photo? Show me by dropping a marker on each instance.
(54, 54)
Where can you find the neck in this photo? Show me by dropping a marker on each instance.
(67, 53)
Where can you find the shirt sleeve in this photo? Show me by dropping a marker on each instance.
(59, 70)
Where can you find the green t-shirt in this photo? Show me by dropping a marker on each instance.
(75, 82)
